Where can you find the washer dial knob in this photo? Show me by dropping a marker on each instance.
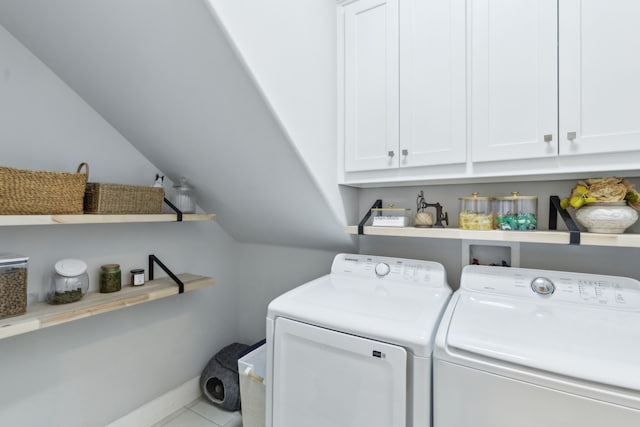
(542, 286)
(382, 269)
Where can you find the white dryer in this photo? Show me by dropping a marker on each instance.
(530, 348)
(353, 348)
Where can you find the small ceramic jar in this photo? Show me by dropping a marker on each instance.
(110, 278)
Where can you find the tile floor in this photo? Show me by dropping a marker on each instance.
(201, 413)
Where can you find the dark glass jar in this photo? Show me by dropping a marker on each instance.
(110, 278)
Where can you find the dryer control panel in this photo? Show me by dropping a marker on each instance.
(555, 286)
(390, 269)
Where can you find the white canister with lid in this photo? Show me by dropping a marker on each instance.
(69, 281)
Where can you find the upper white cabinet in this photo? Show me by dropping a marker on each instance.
(599, 53)
(450, 90)
(553, 78)
(402, 83)
(371, 84)
(513, 90)
(432, 82)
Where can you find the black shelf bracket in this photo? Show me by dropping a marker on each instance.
(554, 210)
(154, 259)
(172, 206)
(365, 218)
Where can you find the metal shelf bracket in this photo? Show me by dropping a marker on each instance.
(554, 210)
(177, 211)
(365, 218)
(154, 259)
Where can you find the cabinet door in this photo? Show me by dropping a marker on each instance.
(513, 85)
(371, 85)
(599, 76)
(432, 82)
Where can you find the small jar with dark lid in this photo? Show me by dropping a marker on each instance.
(110, 278)
(516, 212)
(475, 213)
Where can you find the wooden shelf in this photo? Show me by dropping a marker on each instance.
(97, 219)
(43, 315)
(549, 237)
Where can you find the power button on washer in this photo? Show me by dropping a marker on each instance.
(542, 286)
(382, 269)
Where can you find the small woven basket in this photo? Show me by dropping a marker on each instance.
(122, 199)
(27, 192)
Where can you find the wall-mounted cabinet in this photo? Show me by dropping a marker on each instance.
(513, 90)
(402, 80)
(437, 90)
(598, 72)
(551, 78)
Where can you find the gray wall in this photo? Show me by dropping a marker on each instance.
(93, 371)
(90, 372)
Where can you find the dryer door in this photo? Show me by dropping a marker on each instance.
(326, 378)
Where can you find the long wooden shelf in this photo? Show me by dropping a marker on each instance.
(43, 315)
(97, 219)
(551, 237)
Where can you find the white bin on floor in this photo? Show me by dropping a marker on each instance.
(252, 371)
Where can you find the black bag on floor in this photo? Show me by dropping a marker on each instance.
(219, 381)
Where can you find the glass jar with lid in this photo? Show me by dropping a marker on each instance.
(516, 212)
(69, 281)
(475, 213)
(110, 278)
(183, 197)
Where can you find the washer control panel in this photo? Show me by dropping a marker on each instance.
(591, 289)
(391, 269)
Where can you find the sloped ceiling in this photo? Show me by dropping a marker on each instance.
(165, 76)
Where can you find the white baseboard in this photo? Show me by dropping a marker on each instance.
(165, 405)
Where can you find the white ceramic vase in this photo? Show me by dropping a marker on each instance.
(606, 217)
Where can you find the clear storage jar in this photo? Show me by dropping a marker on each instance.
(183, 197)
(13, 285)
(516, 212)
(475, 213)
(69, 281)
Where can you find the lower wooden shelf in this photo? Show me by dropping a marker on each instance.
(541, 236)
(43, 315)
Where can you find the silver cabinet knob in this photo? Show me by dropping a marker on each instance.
(548, 138)
(391, 153)
(571, 135)
(405, 152)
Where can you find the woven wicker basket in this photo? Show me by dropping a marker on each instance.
(27, 192)
(122, 199)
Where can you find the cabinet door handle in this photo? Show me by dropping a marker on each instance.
(571, 136)
(391, 153)
(548, 138)
(405, 152)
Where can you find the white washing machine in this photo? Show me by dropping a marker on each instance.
(530, 348)
(353, 348)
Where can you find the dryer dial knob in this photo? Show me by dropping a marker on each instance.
(542, 286)
(382, 269)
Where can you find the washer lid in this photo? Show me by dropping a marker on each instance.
(587, 328)
(388, 309)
